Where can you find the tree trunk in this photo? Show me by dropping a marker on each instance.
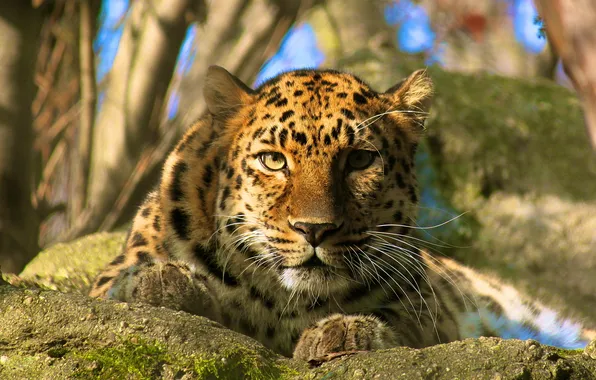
(79, 174)
(570, 25)
(128, 118)
(19, 41)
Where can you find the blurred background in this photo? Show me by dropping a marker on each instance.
(95, 93)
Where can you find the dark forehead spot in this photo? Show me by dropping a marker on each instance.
(282, 103)
(336, 130)
(286, 115)
(359, 99)
(342, 95)
(258, 133)
(283, 135)
(298, 92)
(351, 135)
(347, 113)
(299, 137)
(272, 100)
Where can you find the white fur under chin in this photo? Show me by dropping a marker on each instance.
(313, 281)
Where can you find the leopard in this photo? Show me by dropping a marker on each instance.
(287, 213)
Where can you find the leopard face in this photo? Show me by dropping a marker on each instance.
(318, 183)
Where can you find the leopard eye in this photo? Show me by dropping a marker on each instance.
(360, 159)
(273, 161)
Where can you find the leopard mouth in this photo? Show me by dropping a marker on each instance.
(313, 262)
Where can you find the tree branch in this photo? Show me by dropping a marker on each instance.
(144, 64)
(570, 28)
(81, 156)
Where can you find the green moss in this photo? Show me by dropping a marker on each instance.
(138, 359)
(502, 136)
(241, 362)
(206, 366)
(568, 353)
(57, 352)
(71, 267)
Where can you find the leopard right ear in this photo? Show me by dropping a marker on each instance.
(412, 97)
(223, 92)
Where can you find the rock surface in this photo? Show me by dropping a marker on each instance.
(73, 266)
(50, 335)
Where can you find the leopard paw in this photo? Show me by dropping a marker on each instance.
(170, 284)
(343, 333)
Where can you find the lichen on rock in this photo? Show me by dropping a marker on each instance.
(47, 334)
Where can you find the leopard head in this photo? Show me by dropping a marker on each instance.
(318, 186)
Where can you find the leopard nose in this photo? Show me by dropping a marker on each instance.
(315, 233)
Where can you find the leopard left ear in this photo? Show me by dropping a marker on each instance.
(224, 92)
(414, 96)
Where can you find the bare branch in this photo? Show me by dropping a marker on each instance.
(150, 158)
(125, 124)
(240, 36)
(80, 165)
(55, 129)
(56, 157)
(570, 25)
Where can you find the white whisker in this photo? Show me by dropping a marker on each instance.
(426, 227)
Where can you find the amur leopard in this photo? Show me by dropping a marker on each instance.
(286, 214)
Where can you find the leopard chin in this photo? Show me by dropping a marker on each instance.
(316, 281)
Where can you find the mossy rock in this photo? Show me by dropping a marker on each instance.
(71, 266)
(45, 334)
(52, 335)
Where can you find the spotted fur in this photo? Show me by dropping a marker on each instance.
(313, 256)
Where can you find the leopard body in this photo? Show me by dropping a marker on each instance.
(286, 214)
